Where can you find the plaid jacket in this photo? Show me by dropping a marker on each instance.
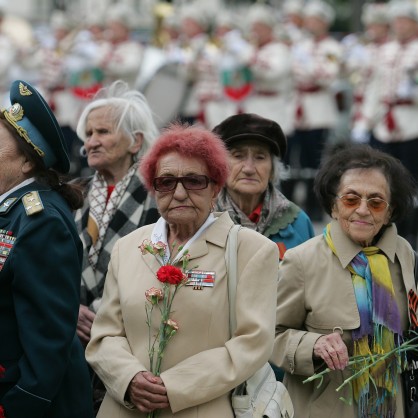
(136, 209)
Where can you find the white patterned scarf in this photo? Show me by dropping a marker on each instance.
(101, 212)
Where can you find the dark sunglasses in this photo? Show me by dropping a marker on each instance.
(169, 183)
(375, 204)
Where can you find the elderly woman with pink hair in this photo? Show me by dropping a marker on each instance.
(185, 169)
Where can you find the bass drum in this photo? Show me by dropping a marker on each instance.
(166, 92)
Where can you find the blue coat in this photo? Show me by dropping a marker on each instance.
(45, 375)
(293, 228)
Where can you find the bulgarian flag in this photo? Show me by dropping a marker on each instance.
(237, 82)
(86, 83)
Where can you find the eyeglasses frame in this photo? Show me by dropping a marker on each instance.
(366, 200)
(180, 179)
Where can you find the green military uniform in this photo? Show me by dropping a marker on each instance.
(40, 260)
(43, 372)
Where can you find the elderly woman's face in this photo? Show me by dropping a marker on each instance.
(181, 206)
(108, 151)
(362, 222)
(251, 168)
(13, 164)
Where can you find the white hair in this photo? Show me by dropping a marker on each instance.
(130, 112)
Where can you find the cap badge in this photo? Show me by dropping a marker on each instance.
(16, 112)
(23, 90)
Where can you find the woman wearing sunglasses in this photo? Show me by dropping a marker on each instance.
(344, 293)
(185, 169)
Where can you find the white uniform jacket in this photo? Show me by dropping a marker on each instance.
(316, 67)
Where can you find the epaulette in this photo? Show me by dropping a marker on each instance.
(32, 203)
(8, 204)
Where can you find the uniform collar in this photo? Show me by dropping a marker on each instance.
(19, 186)
(348, 249)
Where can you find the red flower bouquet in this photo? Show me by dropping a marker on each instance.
(171, 278)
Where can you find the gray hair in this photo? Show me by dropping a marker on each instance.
(128, 108)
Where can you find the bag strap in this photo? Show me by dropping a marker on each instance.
(232, 273)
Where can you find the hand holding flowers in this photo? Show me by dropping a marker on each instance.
(358, 365)
(172, 279)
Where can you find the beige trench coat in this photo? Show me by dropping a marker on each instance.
(201, 363)
(315, 295)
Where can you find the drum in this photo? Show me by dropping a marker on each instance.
(152, 60)
(166, 92)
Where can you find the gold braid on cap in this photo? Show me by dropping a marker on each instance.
(14, 114)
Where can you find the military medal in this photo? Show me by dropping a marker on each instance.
(7, 241)
(200, 279)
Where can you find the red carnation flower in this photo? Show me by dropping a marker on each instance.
(2, 370)
(2, 412)
(170, 274)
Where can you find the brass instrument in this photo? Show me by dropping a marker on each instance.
(161, 11)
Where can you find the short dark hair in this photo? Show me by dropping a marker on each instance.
(402, 185)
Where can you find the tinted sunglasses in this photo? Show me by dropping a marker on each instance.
(169, 183)
(375, 204)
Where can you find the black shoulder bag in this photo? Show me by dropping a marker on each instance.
(410, 375)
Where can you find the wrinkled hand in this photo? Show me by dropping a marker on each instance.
(147, 392)
(332, 350)
(85, 321)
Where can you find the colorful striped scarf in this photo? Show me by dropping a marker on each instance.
(379, 332)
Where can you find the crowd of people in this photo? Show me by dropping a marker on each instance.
(279, 62)
(100, 193)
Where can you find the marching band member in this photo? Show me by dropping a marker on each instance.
(120, 56)
(391, 111)
(56, 60)
(198, 61)
(232, 67)
(271, 68)
(316, 67)
(360, 58)
(293, 20)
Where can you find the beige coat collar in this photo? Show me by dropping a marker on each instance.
(348, 249)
